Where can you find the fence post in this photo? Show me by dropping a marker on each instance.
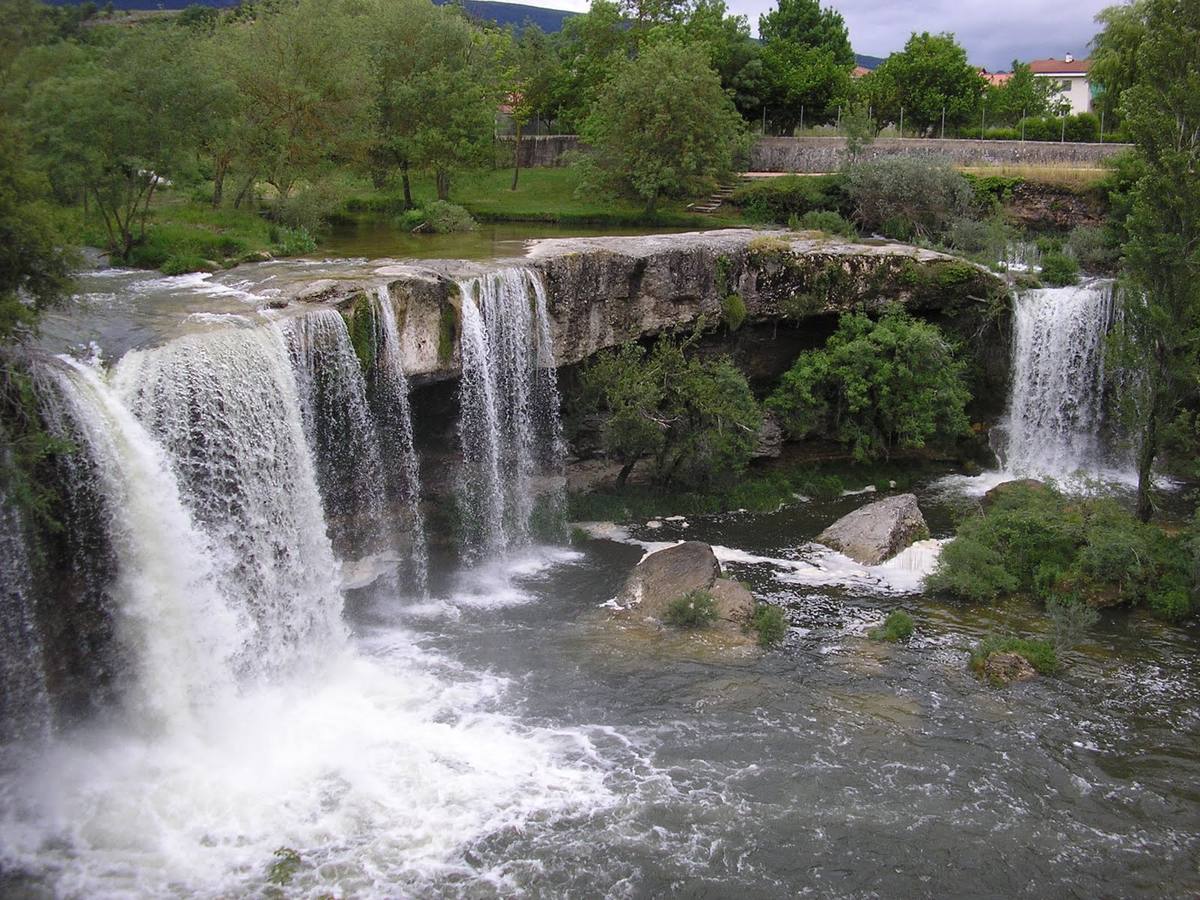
(943, 123)
(982, 119)
(837, 129)
(902, 121)
(1102, 126)
(1063, 139)
(1022, 125)
(802, 117)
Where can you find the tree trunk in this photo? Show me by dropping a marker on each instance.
(623, 475)
(404, 180)
(516, 157)
(1146, 455)
(443, 186)
(219, 170)
(245, 189)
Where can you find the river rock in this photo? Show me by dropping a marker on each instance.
(1005, 668)
(878, 531)
(770, 438)
(735, 603)
(666, 574)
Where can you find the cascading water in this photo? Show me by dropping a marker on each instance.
(225, 407)
(25, 713)
(509, 426)
(1055, 418)
(340, 429)
(178, 630)
(394, 419)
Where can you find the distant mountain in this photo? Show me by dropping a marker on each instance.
(517, 14)
(868, 62)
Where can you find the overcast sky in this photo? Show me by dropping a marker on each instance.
(994, 31)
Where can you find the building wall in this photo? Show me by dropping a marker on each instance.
(812, 155)
(1077, 92)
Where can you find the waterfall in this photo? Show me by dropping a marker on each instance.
(394, 417)
(175, 624)
(509, 426)
(225, 407)
(1056, 409)
(340, 429)
(24, 699)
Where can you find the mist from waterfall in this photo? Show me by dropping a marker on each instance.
(1055, 422)
(509, 427)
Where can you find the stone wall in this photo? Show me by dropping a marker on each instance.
(783, 154)
(542, 150)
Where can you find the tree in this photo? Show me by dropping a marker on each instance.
(696, 419)
(805, 24)
(1159, 327)
(803, 82)
(592, 47)
(34, 266)
(662, 127)
(876, 387)
(115, 127)
(533, 70)
(931, 75)
(1115, 54)
(1021, 95)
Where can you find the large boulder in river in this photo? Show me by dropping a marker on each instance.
(666, 574)
(878, 531)
(1005, 668)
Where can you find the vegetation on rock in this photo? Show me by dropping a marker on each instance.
(898, 626)
(695, 609)
(770, 623)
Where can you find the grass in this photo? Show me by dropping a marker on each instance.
(1039, 654)
(1072, 177)
(695, 609)
(898, 626)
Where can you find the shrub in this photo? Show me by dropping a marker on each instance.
(777, 200)
(445, 218)
(291, 241)
(695, 609)
(823, 220)
(904, 196)
(182, 264)
(733, 311)
(312, 206)
(696, 419)
(770, 623)
(1039, 654)
(876, 387)
(1071, 618)
(1092, 248)
(1059, 269)
(898, 626)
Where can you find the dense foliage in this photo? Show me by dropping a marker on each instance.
(898, 626)
(1034, 541)
(694, 418)
(695, 609)
(770, 624)
(904, 197)
(877, 386)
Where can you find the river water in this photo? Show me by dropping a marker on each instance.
(498, 734)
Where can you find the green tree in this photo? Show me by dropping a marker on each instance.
(1022, 95)
(592, 47)
(1115, 54)
(931, 74)
(532, 73)
(1159, 329)
(34, 266)
(114, 128)
(662, 127)
(803, 82)
(805, 24)
(876, 386)
(696, 419)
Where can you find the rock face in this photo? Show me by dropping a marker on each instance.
(668, 574)
(1005, 668)
(878, 531)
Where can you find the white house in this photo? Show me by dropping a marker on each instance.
(1070, 76)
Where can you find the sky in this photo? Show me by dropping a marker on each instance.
(995, 32)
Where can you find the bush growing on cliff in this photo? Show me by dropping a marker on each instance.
(907, 197)
(1034, 541)
(1059, 269)
(776, 200)
(876, 386)
(695, 609)
(696, 419)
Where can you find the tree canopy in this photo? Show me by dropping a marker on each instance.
(930, 75)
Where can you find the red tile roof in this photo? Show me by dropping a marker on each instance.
(1059, 66)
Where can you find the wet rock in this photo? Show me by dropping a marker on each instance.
(1005, 668)
(662, 576)
(735, 603)
(878, 531)
(770, 438)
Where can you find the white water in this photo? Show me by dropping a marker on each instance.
(24, 700)
(225, 407)
(399, 454)
(175, 625)
(379, 762)
(509, 406)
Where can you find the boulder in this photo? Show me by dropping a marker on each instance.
(770, 438)
(1005, 668)
(735, 603)
(666, 574)
(878, 531)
